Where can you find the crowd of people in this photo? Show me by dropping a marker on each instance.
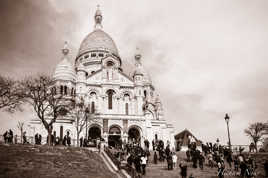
(212, 156)
(8, 136)
(216, 156)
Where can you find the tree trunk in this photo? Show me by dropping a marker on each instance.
(77, 139)
(21, 135)
(256, 148)
(49, 132)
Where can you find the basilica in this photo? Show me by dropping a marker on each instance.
(119, 106)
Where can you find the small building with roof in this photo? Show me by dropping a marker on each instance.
(184, 138)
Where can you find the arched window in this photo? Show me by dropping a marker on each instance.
(126, 108)
(110, 99)
(93, 94)
(92, 107)
(61, 89)
(65, 90)
(145, 93)
(110, 63)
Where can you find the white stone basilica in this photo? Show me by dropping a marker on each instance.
(121, 106)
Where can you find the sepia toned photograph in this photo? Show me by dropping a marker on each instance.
(133, 89)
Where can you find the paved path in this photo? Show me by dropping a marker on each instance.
(160, 170)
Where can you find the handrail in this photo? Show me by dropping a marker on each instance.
(112, 157)
(128, 168)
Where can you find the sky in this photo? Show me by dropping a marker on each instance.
(206, 58)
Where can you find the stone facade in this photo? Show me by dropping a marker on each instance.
(120, 105)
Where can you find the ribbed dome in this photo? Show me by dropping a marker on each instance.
(98, 40)
(64, 71)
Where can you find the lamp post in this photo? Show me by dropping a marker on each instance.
(227, 119)
(87, 113)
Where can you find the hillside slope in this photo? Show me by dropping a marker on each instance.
(27, 161)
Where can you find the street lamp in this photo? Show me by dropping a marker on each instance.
(87, 113)
(227, 119)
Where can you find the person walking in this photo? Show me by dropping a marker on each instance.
(229, 159)
(68, 139)
(16, 139)
(24, 138)
(174, 159)
(155, 157)
(36, 139)
(81, 141)
(183, 167)
(169, 162)
(221, 169)
(10, 136)
(39, 139)
(6, 137)
(143, 164)
(201, 161)
(137, 163)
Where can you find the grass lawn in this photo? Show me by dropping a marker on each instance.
(28, 161)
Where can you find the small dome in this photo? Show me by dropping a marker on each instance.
(98, 40)
(141, 71)
(138, 71)
(64, 71)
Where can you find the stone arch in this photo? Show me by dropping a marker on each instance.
(94, 131)
(135, 133)
(110, 89)
(127, 92)
(93, 90)
(95, 125)
(115, 126)
(114, 138)
(108, 59)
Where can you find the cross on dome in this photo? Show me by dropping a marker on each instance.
(65, 49)
(98, 18)
(138, 57)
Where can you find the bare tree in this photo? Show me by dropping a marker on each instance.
(21, 128)
(10, 94)
(80, 121)
(47, 104)
(256, 131)
(83, 117)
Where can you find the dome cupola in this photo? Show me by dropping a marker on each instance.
(98, 40)
(139, 70)
(64, 70)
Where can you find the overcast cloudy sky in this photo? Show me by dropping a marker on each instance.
(206, 58)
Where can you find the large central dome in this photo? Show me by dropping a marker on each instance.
(98, 40)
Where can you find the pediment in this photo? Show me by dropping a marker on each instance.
(110, 76)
